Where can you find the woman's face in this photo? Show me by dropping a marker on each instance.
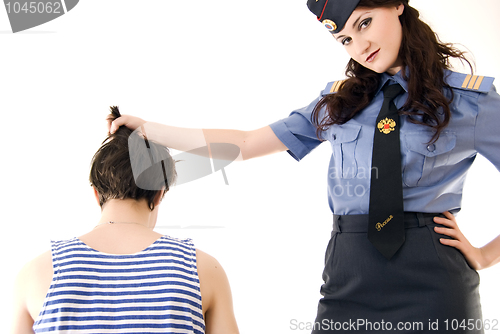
(372, 37)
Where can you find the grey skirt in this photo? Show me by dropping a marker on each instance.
(426, 287)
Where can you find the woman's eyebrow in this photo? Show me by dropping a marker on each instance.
(354, 24)
(359, 17)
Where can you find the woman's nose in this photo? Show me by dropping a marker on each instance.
(362, 46)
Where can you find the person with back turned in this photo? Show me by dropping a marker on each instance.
(122, 276)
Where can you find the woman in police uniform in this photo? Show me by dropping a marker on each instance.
(396, 255)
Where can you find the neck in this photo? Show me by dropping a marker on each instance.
(128, 211)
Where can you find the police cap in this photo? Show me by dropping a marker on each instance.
(333, 13)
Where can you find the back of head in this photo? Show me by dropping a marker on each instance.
(128, 166)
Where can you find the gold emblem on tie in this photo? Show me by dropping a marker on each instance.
(386, 125)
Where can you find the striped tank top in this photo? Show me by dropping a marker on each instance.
(156, 290)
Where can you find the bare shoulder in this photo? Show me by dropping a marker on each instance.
(211, 274)
(206, 262)
(40, 273)
(210, 271)
(38, 267)
(217, 301)
(36, 279)
(43, 262)
(32, 284)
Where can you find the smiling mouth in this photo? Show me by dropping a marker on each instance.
(372, 56)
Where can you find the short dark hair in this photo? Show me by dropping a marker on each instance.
(112, 173)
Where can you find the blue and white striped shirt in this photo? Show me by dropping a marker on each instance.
(156, 290)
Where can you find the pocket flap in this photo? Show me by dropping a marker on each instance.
(418, 142)
(344, 133)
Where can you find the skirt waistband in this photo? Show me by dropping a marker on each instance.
(359, 223)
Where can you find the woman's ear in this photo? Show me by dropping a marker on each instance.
(400, 9)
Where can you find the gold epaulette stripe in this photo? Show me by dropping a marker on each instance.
(336, 86)
(333, 90)
(478, 82)
(472, 82)
(466, 81)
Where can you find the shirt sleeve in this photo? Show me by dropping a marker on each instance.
(297, 132)
(487, 134)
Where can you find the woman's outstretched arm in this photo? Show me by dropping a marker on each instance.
(252, 144)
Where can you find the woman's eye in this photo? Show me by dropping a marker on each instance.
(365, 23)
(346, 41)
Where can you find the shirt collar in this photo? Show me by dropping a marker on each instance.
(398, 77)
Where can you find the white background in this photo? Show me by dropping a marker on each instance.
(223, 64)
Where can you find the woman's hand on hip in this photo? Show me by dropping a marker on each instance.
(473, 255)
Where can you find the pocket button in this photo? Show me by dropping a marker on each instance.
(431, 148)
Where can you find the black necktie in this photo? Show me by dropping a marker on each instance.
(386, 217)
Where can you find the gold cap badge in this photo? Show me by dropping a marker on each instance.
(386, 125)
(330, 25)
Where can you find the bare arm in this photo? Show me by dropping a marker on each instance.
(32, 285)
(491, 252)
(22, 322)
(217, 300)
(252, 144)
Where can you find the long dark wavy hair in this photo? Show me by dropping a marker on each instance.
(424, 58)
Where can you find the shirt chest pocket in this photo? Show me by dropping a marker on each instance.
(425, 164)
(344, 139)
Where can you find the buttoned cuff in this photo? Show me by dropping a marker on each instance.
(295, 147)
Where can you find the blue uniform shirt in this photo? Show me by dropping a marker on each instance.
(433, 175)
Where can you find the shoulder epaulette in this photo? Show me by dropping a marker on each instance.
(476, 83)
(332, 87)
